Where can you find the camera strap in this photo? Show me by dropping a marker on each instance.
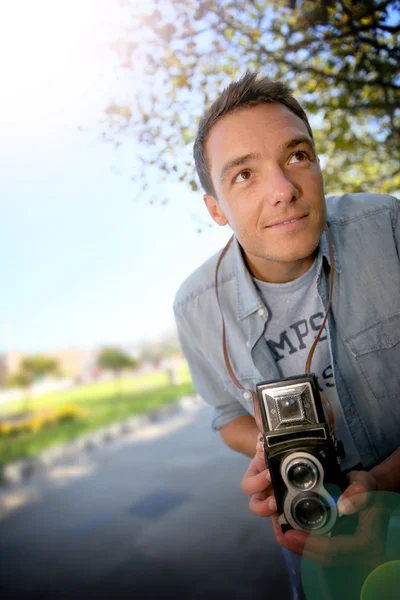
(325, 401)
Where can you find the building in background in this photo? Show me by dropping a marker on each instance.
(74, 363)
(79, 364)
(9, 364)
(3, 370)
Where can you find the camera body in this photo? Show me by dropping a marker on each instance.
(302, 454)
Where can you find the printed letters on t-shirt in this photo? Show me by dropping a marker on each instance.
(300, 336)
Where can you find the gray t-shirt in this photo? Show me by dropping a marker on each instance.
(296, 314)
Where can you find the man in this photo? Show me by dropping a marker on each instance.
(257, 162)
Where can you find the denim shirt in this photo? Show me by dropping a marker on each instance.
(363, 322)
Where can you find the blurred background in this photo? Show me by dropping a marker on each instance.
(101, 220)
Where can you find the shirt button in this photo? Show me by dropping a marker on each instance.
(248, 344)
(246, 395)
(261, 311)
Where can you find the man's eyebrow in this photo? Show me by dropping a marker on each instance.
(236, 162)
(303, 139)
(246, 158)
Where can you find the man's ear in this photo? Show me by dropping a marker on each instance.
(215, 210)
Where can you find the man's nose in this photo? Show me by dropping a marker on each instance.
(280, 188)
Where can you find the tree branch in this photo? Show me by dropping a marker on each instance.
(326, 75)
(308, 69)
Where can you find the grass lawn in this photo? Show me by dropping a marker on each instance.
(85, 394)
(106, 402)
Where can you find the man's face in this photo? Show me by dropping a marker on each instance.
(269, 188)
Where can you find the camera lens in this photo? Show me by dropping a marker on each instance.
(310, 512)
(302, 474)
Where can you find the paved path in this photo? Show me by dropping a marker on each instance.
(158, 512)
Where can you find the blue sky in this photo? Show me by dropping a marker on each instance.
(83, 263)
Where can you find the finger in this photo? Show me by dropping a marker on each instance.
(317, 557)
(255, 481)
(297, 540)
(343, 550)
(257, 464)
(260, 446)
(352, 504)
(314, 543)
(355, 497)
(319, 549)
(263, 504)
(340, 550)
(252, 484)
(282, 538)
(372, 529)
(364, 478)
(363, 546)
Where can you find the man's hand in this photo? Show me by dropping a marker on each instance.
(366, 543)
(257, 484)
(366, 546)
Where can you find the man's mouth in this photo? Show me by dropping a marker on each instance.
(287, 221)
(291, 221)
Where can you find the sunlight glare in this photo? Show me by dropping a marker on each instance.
(50, 57)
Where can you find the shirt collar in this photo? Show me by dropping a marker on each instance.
(248, 299)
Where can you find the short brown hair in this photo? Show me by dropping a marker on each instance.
(246, 92)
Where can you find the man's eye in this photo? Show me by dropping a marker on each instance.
(243, 176)
(298, 156)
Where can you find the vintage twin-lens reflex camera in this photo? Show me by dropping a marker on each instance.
(302, 454)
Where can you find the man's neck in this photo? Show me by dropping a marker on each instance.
(278, 272)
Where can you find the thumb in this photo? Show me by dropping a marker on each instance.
(355, 497)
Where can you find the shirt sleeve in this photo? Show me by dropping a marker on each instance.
(206, 380)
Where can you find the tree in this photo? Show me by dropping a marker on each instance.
(32, 368)
(115, 360)
(39, 365)
(20, 379)
(340, 57)
(23, 380)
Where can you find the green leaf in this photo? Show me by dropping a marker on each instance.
(341, 65)
(229, 33)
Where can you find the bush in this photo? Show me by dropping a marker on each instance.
(41, 419)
